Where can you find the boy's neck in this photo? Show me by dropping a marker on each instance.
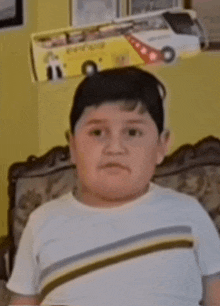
(92, 200)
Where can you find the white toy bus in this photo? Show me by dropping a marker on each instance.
(175, 32)
(154, 37)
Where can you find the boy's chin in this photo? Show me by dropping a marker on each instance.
(120, 195)
(102, 194)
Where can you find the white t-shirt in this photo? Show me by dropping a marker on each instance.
(64, 238)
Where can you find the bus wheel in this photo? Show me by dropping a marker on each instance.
(89, 68)
(168, 54)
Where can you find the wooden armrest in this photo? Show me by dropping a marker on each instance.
(5, 244)
(5, 294)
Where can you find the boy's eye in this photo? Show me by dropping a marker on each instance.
(134, 132)
(96, 132)
(130, 132)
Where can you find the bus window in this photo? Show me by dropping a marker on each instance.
(157, 23)
(93, 34)
(126, 28)
(149, 24)
(181, 23)
(44, 42)
(52, 41)
(109, 31)
(75, 37)
(58, 40)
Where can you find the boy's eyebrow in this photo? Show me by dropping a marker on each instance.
(136, 121)
(97, 121)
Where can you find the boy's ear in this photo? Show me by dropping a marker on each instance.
(163, 146)
(72, 147)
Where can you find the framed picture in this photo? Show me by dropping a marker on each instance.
(209, 13)
(90, 12)
(144, 6)
(11, 13)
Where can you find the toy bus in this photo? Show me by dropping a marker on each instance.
(150, 38)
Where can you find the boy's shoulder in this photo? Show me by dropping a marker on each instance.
(163, 191)
(52, 209)
(58, 203)
(161, 199)
(168, 195)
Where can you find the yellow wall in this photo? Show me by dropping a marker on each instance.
(194, 98)
(18, 104)
(34, 117)
(20, 121)
(193, 108)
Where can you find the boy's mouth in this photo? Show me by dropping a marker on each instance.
(114, 166)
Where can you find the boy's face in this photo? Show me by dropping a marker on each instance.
(115, 152)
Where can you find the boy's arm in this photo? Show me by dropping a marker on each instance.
(211, 288)
(23, 281)
(207, 250)
(20, 299)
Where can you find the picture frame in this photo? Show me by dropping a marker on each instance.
(209, 14)
(143, 6)
(90, 12)
(11, 13)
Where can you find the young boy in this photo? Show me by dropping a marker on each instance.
(122, 240)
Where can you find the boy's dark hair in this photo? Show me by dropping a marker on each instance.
(126, 84)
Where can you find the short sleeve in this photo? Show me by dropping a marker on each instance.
(25, 274)
(207, 241)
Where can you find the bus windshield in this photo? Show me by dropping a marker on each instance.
(181, 23)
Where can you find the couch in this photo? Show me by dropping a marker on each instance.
(191, 169)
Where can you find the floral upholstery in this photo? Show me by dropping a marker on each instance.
(194, 170)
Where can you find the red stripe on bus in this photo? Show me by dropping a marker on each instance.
(148, 54)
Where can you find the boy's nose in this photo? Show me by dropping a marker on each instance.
(115, 145)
